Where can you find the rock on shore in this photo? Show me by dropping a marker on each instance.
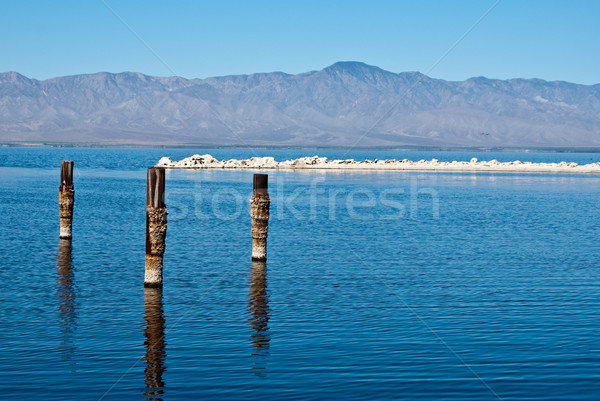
(316, 162)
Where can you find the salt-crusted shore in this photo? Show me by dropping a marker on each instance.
(322, 163)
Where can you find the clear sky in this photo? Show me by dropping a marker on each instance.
(453, 39)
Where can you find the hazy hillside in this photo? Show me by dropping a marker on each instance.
(347, 103)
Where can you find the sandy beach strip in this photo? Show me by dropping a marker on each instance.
(322, 163)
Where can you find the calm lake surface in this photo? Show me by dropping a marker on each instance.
(378, 285)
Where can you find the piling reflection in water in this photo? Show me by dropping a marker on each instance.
(155, 343)
(66, 297)
(258, 315)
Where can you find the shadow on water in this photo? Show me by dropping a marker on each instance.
(66, 297)
(155, 343)
(258, 316)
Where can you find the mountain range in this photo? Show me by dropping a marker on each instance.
(345, 104)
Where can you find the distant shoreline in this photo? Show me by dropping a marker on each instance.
(203, 162)
(30, 145)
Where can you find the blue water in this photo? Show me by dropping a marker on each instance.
(378, 285)
(128, 159)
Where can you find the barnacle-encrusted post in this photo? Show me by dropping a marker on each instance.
(259, 215)
(156, 227)
(66, 198)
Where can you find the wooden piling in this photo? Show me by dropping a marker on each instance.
(156, 226)
(66, 198)
(259, 215)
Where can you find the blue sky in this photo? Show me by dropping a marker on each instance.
(552, 40)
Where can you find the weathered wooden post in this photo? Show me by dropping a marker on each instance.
(259, 215)
(66, 198)
(156, 226)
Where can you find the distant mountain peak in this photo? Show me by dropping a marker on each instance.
(13, 76)
(349, 65)
(359, 72)
(370, 73)
(353, 67)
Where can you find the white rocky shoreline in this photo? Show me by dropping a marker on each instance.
(322, 163)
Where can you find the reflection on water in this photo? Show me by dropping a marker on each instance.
(66, 297)
(258, 315)
(155, 343)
